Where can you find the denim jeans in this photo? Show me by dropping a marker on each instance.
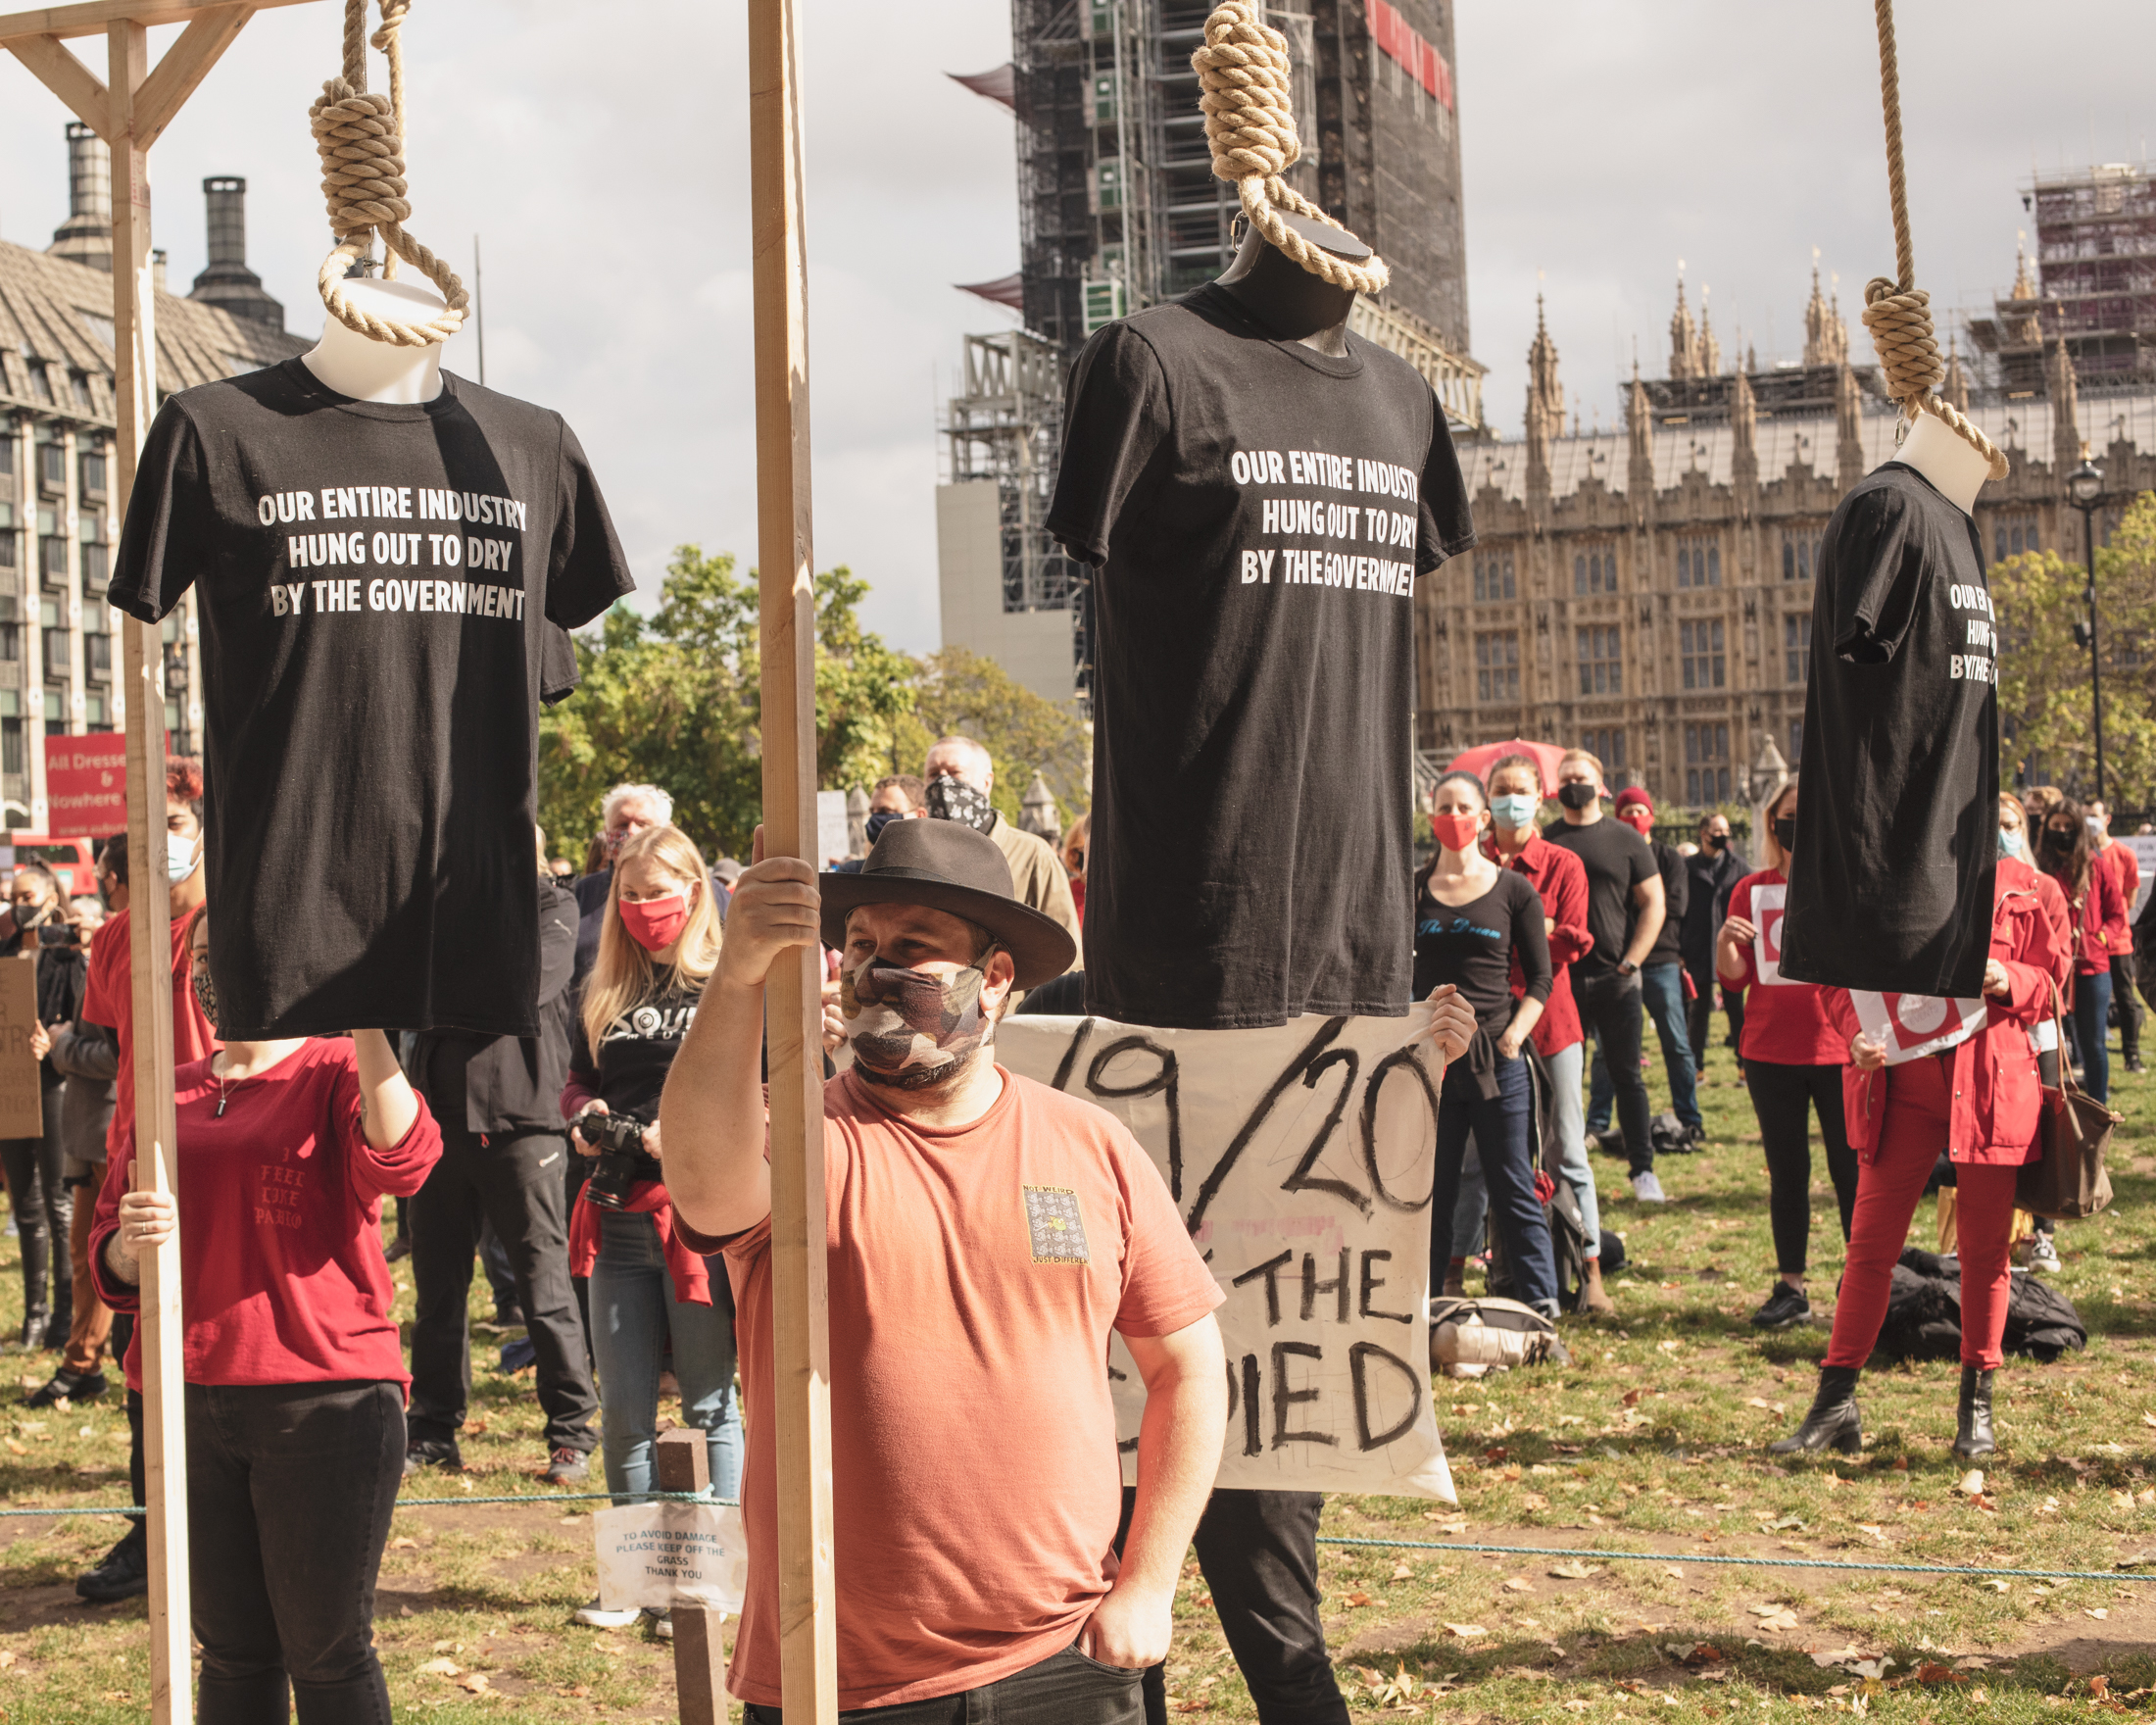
(291, 1488)
(1662, 994)
(1064, 1689)
(44, 1217)
(2092, 1005)
(1499, 1126)
(634, 1310)
(1472, 1208)
(1611, 1011)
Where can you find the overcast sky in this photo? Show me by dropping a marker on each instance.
(606, 171)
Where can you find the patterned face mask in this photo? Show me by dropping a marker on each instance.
(206, 994)
(952, 799)
(911, 1029)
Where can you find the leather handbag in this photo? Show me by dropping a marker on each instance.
(2068, 1181)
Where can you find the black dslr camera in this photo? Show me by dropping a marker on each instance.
(621, 1158)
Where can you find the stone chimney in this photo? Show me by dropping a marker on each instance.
(86, 237)
(227, 283)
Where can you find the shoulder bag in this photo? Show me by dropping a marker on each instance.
(2068, 1180)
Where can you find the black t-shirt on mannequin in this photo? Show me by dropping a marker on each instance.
(1897, 841)
(381, 590)
(1259, 514)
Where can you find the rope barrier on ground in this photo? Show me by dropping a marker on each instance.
(360, 138)
(426, 1503)
(1578, 1552)
(1244, 71)
(1898, 314)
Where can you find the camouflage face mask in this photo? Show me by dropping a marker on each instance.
(911, 1029)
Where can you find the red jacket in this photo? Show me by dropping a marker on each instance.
(1999, 1097)
(1559, 879)
(2129, 872)
(2100, 911)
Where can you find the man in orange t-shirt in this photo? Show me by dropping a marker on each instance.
(107, 1000)
(985, 1234)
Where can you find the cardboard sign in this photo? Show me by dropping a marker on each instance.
(86, 783)
(1909, 1027)
(1302, 1160)
(22, 1100)
(2143, 847)
(667, 1554)
(1769, 900)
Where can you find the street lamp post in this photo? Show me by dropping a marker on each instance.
(2085, 486)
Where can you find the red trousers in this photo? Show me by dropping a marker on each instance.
(1911, 1136)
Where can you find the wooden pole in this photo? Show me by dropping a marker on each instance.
(164, 1365)
(801, 1339)
(682, 1460)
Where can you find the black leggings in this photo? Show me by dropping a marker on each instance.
(1783, 1097)
(44, 1212)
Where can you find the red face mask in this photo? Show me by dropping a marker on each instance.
(1638, 817)
(654, 924)
(1456, 832)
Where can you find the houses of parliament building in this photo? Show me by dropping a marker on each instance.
(1648, 593)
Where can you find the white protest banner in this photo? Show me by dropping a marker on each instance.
(1301, 1159)
(667, 1554)
(1769, 900)
(1909, 1027)
(2143, 847)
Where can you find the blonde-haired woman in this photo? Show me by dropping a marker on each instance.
(1793, 1054)
(657, 946)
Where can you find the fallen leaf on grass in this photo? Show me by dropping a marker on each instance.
(1468, 1631)
(2099, 1685)
(1358, 1598)
(1787, 1524)
(1972, 1483)
(1575, 1571)
(576, 1691)
(17, 1448)
(473, 1683)
(1404, 1573)
(441, 1669)
(2100, 1612)
(404, 1543)
(6, 1659)
(1514, 1585)
(1997, 1586)
(1534, 1501)
(1631, 1398)
(1779, 1618)
(1878, 1532)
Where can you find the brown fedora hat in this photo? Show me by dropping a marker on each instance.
(946, 867)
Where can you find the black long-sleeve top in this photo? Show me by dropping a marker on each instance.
(1471, 945)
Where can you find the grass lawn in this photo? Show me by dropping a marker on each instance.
(1653, 1440)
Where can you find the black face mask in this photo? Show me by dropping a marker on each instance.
(2058, 843)
(1577, 795)
(1784, 832)
(877, 821)
(1714, 841)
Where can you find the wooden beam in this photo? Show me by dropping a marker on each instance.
(93, 18)
(74, 84)
(682, 1460)
(164, 1332)
(801, 1336)
(186, 64)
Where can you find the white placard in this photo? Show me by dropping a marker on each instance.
(2143, 847)
(1301, 1159)
(1769, 900)
(661, 1555)
(1909, 1027)
(832, 844)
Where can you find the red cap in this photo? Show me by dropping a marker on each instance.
(1627, 799)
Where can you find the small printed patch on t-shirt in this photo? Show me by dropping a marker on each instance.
(1056, 1225)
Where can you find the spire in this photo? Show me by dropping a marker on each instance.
(1683, 334)
(1543, 388)
(1640, 423)
(1954, 391)
(1706, 353)
(1826, 336)
(2023, 329)
(1743, 433)
(2066, 411)
(1849, 427)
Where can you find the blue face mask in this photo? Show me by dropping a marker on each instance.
(1516, 811)
(180, 857)
(2011, 843)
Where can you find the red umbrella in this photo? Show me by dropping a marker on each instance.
(1484, 756)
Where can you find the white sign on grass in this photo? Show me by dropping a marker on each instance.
(661, 1555)
(1301, 1159)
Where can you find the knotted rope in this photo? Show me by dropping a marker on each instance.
(1898, 314)
(1243, 74)
(361, 140)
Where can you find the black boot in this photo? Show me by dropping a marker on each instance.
(1833, 1423)
(1973, 1423)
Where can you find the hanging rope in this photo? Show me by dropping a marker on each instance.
(1898, 314)
(361, 140)
(1243, 73)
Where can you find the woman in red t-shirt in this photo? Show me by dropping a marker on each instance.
(2064, 852)
(1980, 1098)
(295, 1379)
(1792, 1057)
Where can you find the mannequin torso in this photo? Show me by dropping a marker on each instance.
(1946, 460)
(1285, 297)
(365, 369)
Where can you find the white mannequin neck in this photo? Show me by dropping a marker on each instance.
(364, 370)
(1945, 459)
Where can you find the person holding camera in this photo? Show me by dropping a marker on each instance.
(658, 944)
(41, 921)
(283, 1153)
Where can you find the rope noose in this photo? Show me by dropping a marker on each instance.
(361, 140)
(1898, 314)
(1243, 74)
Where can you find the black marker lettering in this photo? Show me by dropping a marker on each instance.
(1284, 1398)
(1312, 1287)
(1358, 1358)
(1270, 1269)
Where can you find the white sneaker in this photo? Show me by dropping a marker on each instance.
(597, 1616)
(2044, 1254)
(662, 1622)
(1648, 1189)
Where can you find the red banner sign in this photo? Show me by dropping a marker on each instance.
(86, 783)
